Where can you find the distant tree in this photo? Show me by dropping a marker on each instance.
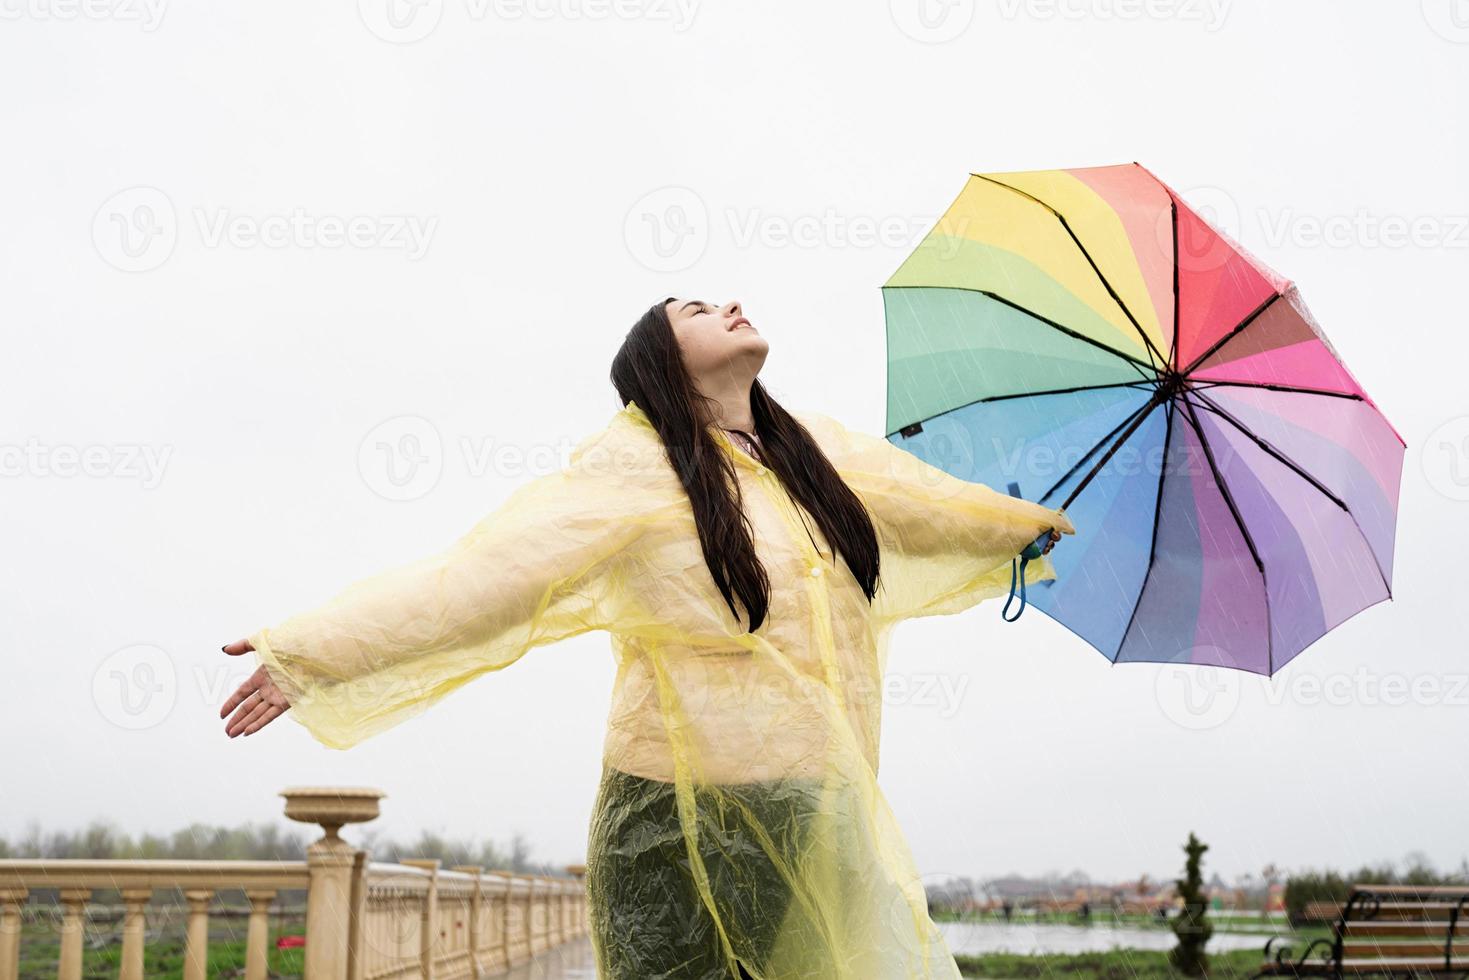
(1191, 925)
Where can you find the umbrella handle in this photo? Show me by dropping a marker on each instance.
(1033, 550)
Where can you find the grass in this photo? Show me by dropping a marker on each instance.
(1120, 964)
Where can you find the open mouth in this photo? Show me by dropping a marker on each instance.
(740, 321)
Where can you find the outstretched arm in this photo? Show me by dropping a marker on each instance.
(542, 567)
(946, 543)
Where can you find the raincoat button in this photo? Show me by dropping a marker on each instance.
(816, 571)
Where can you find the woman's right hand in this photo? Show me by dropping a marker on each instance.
(258, 700)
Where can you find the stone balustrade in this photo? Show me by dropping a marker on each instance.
(365, 920)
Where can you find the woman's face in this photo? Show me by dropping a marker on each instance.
(716, 339)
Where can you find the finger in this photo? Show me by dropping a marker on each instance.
(272, 712)
(252, 721)
(237, 721)
(238, 647)
(241, 693)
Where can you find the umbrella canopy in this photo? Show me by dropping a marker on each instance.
(1088, 336)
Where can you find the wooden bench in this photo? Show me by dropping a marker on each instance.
(1411, 930)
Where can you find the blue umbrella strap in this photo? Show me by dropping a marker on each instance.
(1017, 566)
(1033, 550)
(1013, 573)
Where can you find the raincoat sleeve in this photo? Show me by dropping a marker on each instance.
(542, 567)
(946, 544)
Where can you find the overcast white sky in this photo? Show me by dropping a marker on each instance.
(285, 275)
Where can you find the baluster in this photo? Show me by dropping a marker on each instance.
(429, 917)
(257, 936)
(196, 942)
(11, 900)
(73, 923)
(476, 903)
(134, 931)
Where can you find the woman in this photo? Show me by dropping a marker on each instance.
(732, 551)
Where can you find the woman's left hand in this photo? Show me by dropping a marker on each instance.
(1055, 536)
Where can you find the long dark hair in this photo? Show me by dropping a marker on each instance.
(649, 369)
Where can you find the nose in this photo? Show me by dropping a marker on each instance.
(733, 308)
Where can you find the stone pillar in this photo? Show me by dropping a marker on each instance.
(476, 906)
(134, 931)
(579, 872)
(196, 942)
(73, 923)
(334, 866)
(257, 936)
(11, 899)
(428, 933)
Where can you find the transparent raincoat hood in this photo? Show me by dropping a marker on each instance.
(702, 712)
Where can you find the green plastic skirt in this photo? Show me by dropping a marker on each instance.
(647, 917)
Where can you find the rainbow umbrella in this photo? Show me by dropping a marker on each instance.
(1085, 339)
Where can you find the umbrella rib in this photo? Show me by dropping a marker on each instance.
(1211, 382)
(1135, 419)
(1218, 409)
(1153, 548)
(1173, 212)
(1050, 323)
(1240, 523)
(1031, 394)
(1056, 391)
(1229, 336)
(1107, 285)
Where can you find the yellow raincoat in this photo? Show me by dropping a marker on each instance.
(741, 768)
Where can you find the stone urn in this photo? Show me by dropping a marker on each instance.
(332, 806)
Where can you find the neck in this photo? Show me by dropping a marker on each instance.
(732, 400)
